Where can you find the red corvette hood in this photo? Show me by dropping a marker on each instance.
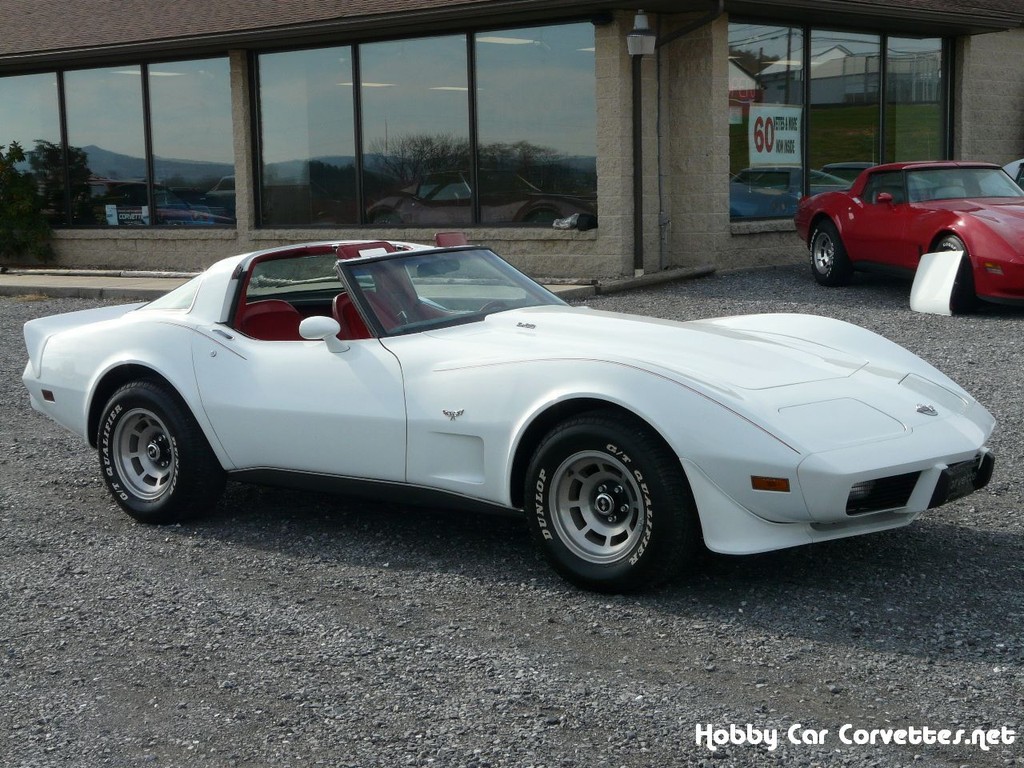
(1001, 214)
(989, 208)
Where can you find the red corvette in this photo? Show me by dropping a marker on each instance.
(895, 213)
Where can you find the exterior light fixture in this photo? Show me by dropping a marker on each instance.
(641, 41)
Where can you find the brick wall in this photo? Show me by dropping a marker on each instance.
(988, 114)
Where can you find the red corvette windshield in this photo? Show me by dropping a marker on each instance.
(956, 183)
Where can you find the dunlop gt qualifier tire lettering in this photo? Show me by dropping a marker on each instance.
(154, 458)
(609, 505)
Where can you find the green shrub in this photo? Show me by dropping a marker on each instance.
(24, 230)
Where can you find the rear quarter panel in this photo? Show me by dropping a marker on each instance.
(834, 205)
(76, 361)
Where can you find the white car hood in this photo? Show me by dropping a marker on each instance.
(849, 387)
(711, 351)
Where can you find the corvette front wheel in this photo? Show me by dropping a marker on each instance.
(609, 505)
(154, 458)
(830, 264)
(963, 299)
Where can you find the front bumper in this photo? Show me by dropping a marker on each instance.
(847, 491)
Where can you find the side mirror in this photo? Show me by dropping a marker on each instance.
(885, 198)
(326, 329)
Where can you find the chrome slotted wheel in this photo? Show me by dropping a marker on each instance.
(596, 506)
(830, 264)
(144, 454)
(823, 251)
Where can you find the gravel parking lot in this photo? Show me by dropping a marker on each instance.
(304, 630)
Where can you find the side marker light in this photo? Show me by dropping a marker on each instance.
(776, 484)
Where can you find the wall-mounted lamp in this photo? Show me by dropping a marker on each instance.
(641, 41)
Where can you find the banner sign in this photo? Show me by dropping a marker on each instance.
(774, 134)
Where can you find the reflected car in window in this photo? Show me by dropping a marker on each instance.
(774, 191)
(446, 198)
(849, 170)
(895, 213)
(126, 203)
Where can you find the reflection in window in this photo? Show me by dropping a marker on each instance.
(765, 120)
(913, 100)
(844, 98)
(843, 116)
(537, 123)
(416, 152)
(29, 116)
(104, 115)
(193, 155)
(535, 130)
(308, 138)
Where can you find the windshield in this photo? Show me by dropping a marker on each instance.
(956, 183)
(407, 292)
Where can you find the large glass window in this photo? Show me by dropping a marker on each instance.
(838, 132)
(765, 120)
(844, 113)
(107, 145)
(29, 115)
(416, 152)
(307, 129)
(914, 100)
(537, 132)
(98, 174)
(193, 152)
(519, 148)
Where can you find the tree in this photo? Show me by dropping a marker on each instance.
(410, 158)
(23, 227)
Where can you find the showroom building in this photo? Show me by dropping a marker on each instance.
(577, 139)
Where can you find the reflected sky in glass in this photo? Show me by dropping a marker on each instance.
(537, 85)
(414, 88)
(28, 110)
(104, 112)
(191, 110)
(306, 104)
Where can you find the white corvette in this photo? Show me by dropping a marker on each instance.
(444, 375)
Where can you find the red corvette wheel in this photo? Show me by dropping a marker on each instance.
(829, 263)
(963, 299)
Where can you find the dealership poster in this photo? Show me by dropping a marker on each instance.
(127, 215)
(774, 134)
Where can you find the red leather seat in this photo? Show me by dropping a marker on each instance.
(352, 324)
(270, 320)
(447, 239)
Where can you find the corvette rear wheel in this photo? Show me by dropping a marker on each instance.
(830, 264)
(609, 505)
(963, 299)
(154, 458)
